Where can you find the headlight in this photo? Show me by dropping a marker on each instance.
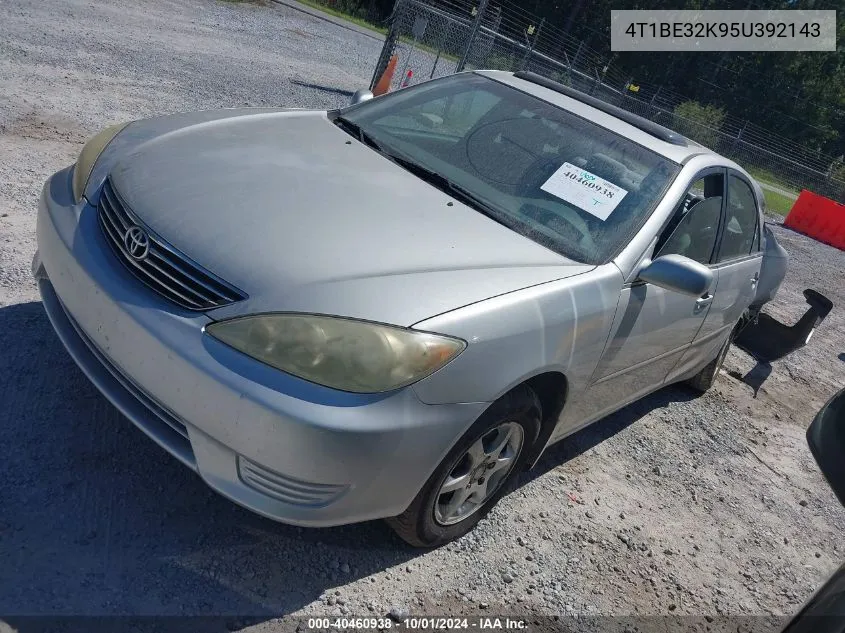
(88, 158)
(341, 353)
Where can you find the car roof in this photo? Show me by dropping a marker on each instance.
(675, 152)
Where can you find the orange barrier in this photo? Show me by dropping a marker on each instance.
(819, 217)
(383, 84)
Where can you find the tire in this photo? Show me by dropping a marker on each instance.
(426, 523)
(704, 379)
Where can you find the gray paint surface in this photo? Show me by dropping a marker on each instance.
(290, 209)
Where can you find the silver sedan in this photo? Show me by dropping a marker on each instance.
(387, 310)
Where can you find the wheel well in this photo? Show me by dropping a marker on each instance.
(551, 389)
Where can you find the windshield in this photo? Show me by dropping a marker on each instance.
(550, 175)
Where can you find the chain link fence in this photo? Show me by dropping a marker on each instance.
(434, 38)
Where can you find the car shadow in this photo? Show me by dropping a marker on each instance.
(98, 521)
(755, 377)
(594, 434)
(329, 89)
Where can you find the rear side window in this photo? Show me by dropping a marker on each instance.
(740, 231)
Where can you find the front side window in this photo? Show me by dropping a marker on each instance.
(550, 175)
(694, 226)
(740, 233)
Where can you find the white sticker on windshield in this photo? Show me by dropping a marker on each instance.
(586, 191)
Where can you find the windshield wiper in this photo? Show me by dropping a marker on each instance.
(444, 184)
(359, 133)
(426, 174)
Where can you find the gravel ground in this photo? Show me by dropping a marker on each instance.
(675, 505)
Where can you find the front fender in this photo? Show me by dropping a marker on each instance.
(558, 326)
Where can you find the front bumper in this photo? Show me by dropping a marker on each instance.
(280, 446)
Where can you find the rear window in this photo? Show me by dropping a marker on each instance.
(548, 174)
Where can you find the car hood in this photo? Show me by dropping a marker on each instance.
(301, 217)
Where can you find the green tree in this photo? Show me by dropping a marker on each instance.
(699, 122)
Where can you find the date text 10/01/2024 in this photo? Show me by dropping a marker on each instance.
(418, 623)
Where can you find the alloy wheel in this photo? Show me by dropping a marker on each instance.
(478, 473)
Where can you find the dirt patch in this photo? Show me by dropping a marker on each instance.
(42, 127)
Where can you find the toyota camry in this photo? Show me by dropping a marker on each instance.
(389, 309)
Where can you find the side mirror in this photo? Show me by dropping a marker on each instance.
(360, 96)
(678, 273)
(826, 437)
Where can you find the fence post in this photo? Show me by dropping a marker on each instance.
(654, 96)
(577, 57)
(532, 45)
(440, 45)
(389, 41)
(596, 84)
(482, 6)
(738, 138)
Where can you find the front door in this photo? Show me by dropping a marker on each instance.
(737, 260)
(654, 327)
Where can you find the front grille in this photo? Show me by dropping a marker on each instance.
(165, 270)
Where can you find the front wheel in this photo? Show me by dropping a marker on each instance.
(475, 474)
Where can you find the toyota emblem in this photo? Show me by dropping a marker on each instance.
(137, 243)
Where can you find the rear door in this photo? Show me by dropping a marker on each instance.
(737, 261)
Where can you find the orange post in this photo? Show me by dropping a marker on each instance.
(407, 79)
(383, 84)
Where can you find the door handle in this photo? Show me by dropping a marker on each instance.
(702, 302)
(755, 279)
